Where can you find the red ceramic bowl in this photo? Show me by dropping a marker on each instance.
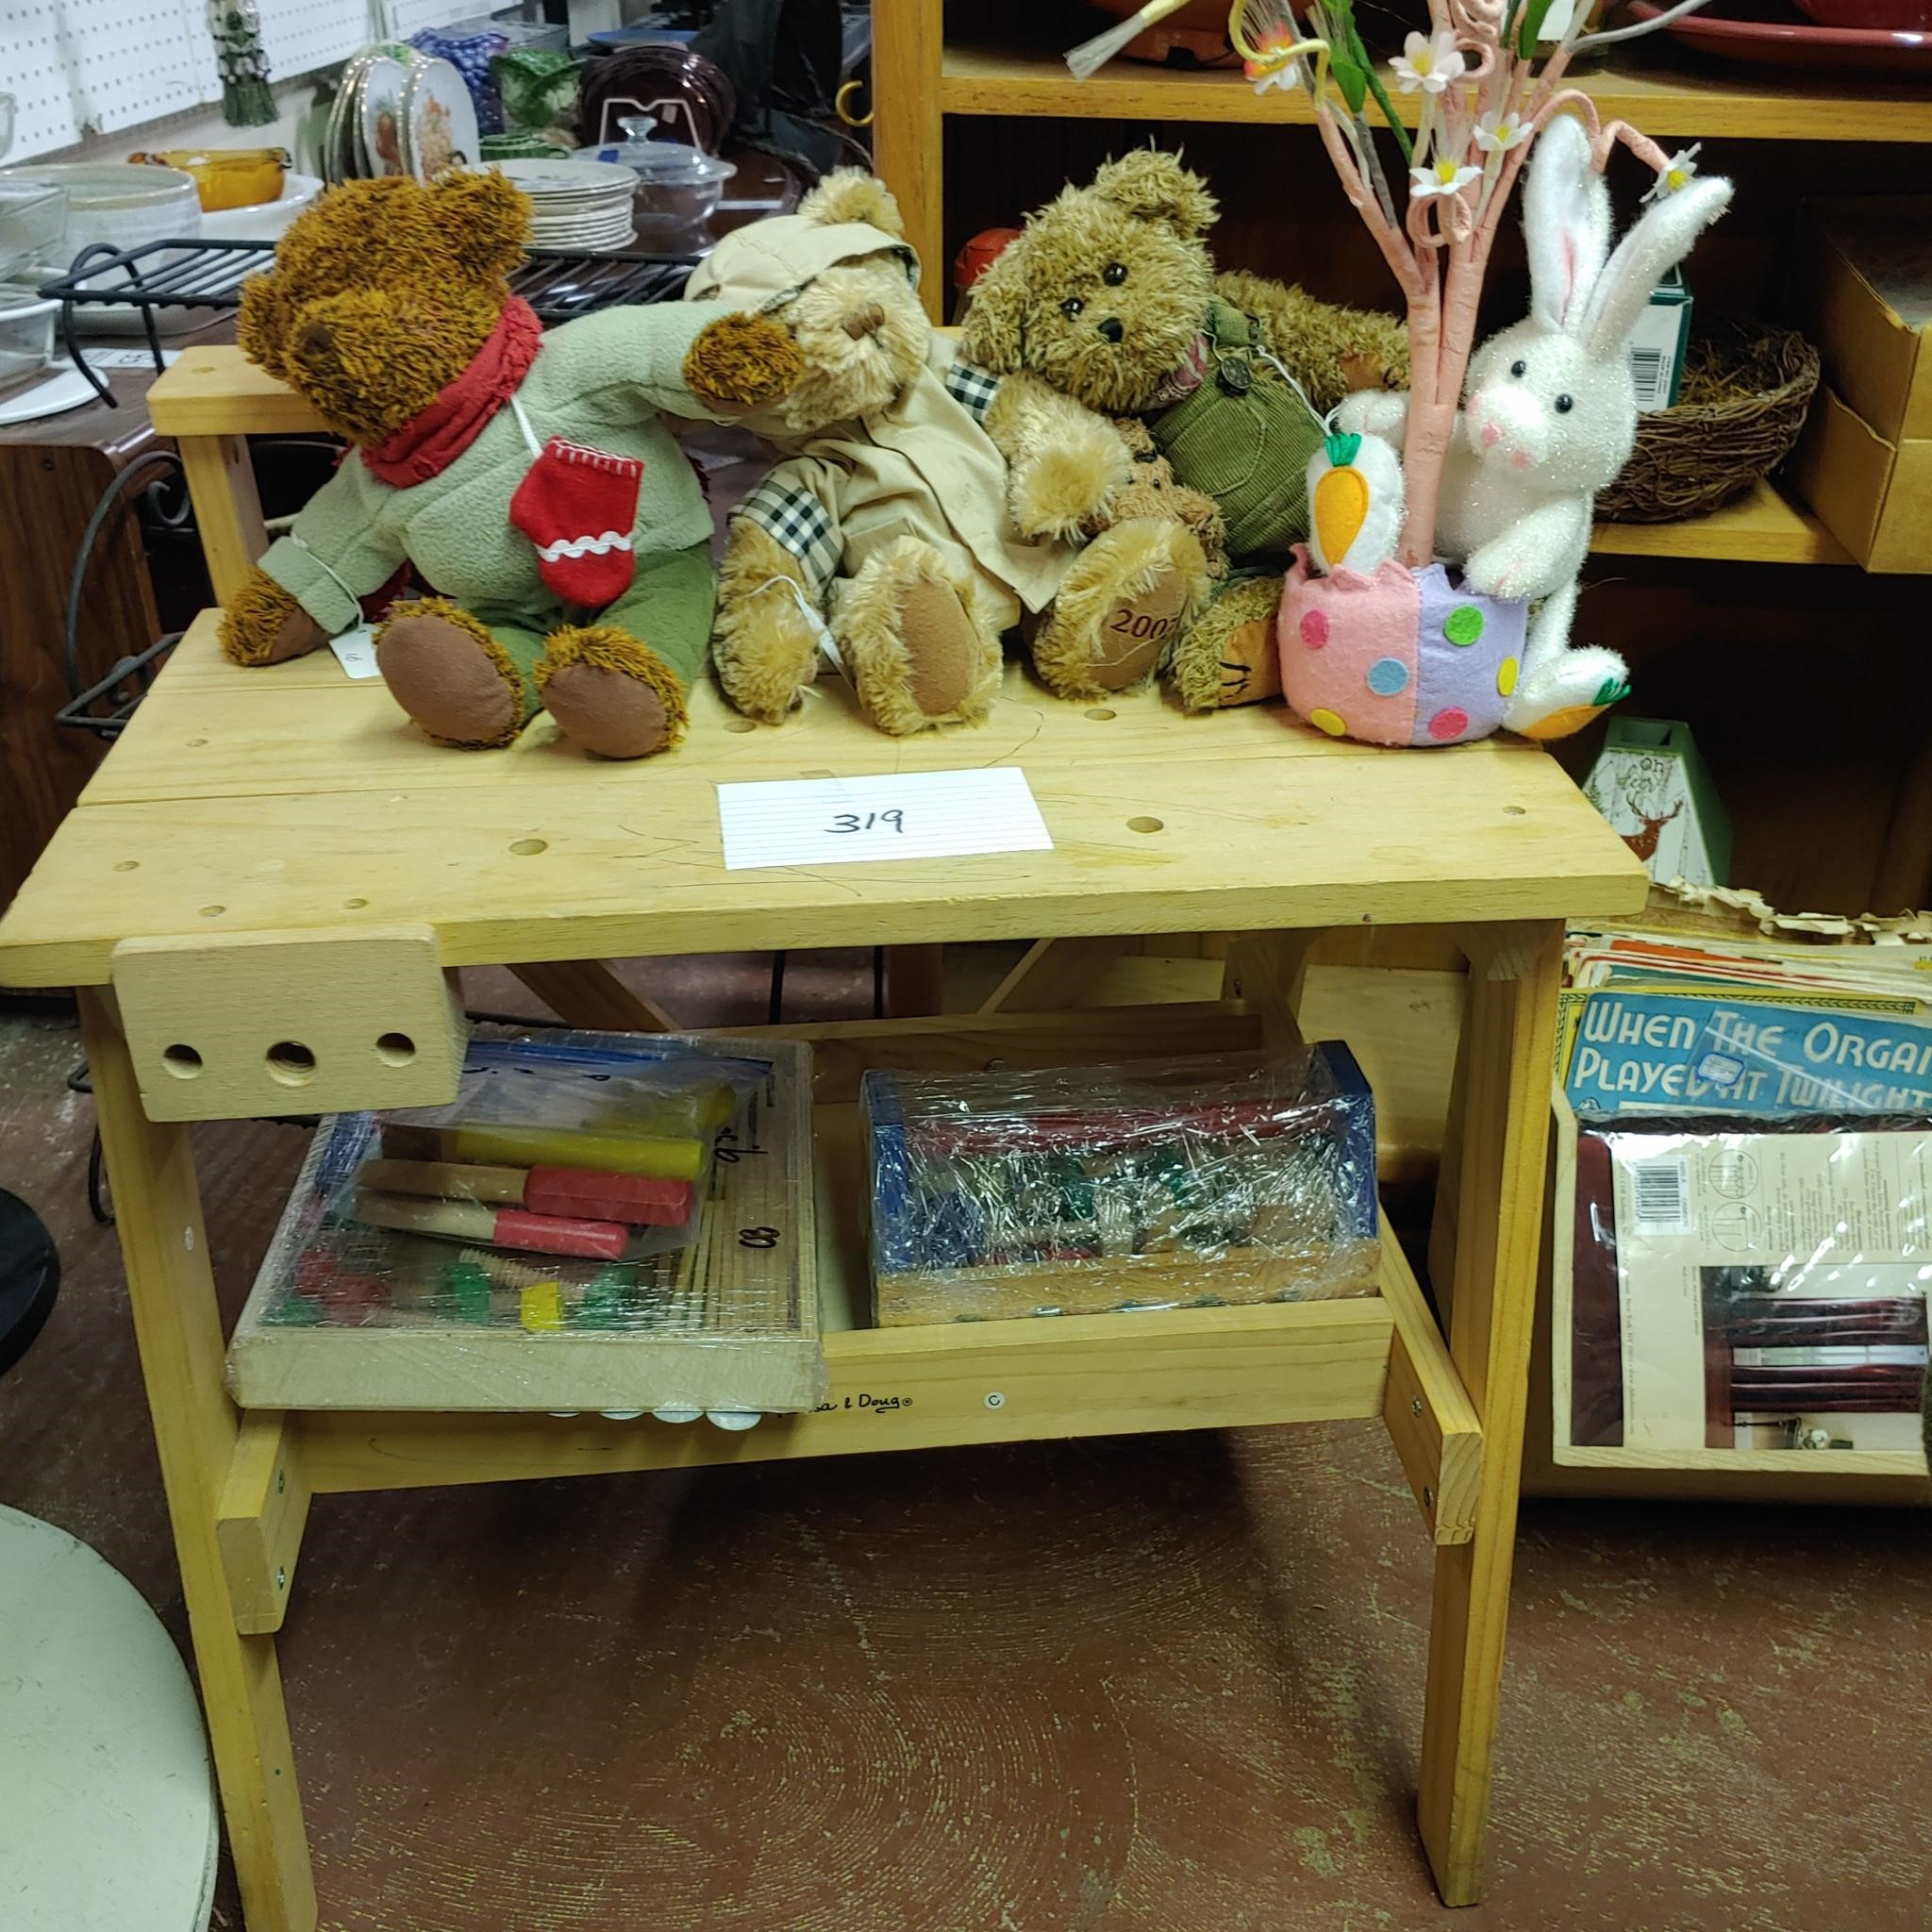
(1881, 16)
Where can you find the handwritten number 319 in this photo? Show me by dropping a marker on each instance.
(856, 822)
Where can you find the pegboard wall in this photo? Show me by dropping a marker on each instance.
(76, 66)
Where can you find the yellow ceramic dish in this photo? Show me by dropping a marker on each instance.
(228, 176)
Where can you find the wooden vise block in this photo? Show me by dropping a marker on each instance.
(274, 1022)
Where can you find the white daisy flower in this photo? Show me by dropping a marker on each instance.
(1427, 65)
(1496, 134)
(1676, 173)
(1441, 177)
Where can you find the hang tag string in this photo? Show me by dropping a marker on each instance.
(329, 571)
(820, 627)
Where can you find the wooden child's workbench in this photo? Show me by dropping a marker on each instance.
(262, 887)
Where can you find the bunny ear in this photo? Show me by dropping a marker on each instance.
(1566, 223)
(1648, 253)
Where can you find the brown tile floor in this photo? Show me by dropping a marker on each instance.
(1161, 1685)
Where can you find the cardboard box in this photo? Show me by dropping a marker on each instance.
(1652, 786)
(1659, 342)
(1863, 294)
(1872, 495)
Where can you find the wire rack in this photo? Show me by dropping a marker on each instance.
(202, 274)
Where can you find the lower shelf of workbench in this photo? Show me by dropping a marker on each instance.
(925, 1387)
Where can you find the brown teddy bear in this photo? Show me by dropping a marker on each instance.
(528, 476)
(1110, 296)
(1152, 490)
(922, 506)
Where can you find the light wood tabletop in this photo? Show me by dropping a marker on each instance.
(293, 797)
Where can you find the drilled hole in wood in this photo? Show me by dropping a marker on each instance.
(1145, 825)
(291, 1062)
(523, 848)
(182, 1061)
(127, 865)
(740, 724)
(212, 911)
(354, 905)
(1515, 811)
(395, 1049)
(1101, 712)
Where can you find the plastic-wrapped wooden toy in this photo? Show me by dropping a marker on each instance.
(1078, 1190)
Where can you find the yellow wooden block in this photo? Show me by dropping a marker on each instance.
(257, 1023)
(540, 1307)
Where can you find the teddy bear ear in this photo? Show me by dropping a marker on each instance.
(850, 195)
(1153, 185)
(484, 218)
(261, 328)
(995, 333)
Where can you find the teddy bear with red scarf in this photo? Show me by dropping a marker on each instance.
(529, 476)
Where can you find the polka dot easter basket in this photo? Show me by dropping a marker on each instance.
(1397, 656)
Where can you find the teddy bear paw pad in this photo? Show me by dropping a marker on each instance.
(441, 673)
(1135, 630)
(608, 712)
(943, 649)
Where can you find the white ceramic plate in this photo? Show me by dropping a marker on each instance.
(379, 117)
(438, 120)
(541, 179)
(264, 221)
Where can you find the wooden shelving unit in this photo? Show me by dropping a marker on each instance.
(1663, 94)
(1670, 99)
(1762, 527)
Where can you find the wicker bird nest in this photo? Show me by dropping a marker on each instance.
(1746, 388)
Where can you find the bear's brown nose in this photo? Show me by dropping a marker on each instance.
(1113, 329)
(865, 321)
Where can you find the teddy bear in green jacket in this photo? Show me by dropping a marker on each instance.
(528, 476)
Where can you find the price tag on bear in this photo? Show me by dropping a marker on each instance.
(895, 815)
(355, 651)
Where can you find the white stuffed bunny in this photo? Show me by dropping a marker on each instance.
(1550, 413)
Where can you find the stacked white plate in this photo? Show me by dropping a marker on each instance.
(576, 205)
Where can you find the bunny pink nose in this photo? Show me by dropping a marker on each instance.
(1491, 436)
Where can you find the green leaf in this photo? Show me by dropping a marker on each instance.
(1388, 114)
(1342, 450)
(1529, 25)
(1346, 61)
(1351, 79)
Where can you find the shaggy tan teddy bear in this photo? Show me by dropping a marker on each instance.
(923, 507)
(1110, 295)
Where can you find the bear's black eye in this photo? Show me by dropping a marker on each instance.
(1072, 305)
(1519, 369)
(1564, 405)
(1114, 273)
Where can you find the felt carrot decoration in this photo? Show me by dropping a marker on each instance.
(1354, 492)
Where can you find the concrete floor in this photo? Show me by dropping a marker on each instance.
(1164, 1684)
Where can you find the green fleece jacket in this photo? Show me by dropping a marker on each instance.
(600, 380)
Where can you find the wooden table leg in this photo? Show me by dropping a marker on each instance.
(915, 981)
(178, 1327)
(228, 508)
(586, 994)
(1489, 1235)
